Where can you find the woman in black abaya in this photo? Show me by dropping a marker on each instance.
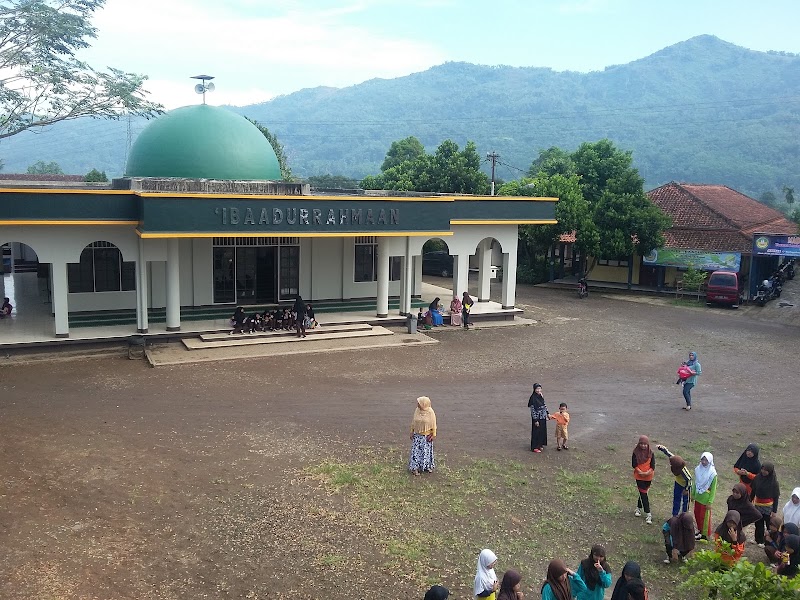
(539, 417)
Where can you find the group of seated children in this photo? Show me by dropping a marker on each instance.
(280, 318)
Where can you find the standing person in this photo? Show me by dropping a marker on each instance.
(631, 575)
(595, 573)
(644, 467)
(740, 502)
(730, 530)
(694, 365)
(466, 307)
(511, 586)
(683, 481)
(455, 311)
(562, 421)
(679, 539)
(299, 312)
(791, 510)
(766, 493)
(704, 492)
(747, 467)
(486, 584)
(539, 417)
(562, 583)
(423, 432)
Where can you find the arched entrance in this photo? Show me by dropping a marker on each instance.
(436, 259)
(27, 285)
(488, 264)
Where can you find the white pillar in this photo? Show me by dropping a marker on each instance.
(460, 274)
(173, 285)
(484, 270)
(141, 290)
(416, 287)
(383, 278)
(509, 279)
(60, 305)
(406, 282)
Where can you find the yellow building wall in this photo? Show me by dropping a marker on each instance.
(615, 274)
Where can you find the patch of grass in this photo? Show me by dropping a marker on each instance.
(330, 560)
(699, 445)
(685, 302)
(611, 448)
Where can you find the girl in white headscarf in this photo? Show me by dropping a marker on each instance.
(704, 490)
(791, 511)
(486, 584)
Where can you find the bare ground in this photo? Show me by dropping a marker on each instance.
(286, 475)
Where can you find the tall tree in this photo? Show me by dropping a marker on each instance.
(41, 80)
(283, 163)
(402, 151)
(552, 161)
(45, 168)
(788, 193)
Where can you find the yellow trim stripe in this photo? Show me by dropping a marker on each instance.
(296, 234)
(504, 198)
(503, 222)
(4, 190)
(76, 222)
(297, 198)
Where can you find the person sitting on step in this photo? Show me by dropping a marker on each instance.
(6, 308)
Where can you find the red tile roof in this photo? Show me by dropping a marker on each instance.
(715, 217)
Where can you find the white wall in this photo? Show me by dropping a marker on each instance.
(202, 266)
(101, 301)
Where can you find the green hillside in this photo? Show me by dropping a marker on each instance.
(702, 111)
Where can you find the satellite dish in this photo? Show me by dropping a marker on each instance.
(210, 87)
(199, 88)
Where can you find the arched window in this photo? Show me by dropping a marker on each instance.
(101, 269)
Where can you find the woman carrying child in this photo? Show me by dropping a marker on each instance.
(595, 573)
(704, 492)
(683, 481)
(644, 467)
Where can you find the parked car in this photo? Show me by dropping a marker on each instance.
(724, 288)
(438, 262)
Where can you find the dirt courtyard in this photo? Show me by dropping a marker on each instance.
(285, 477)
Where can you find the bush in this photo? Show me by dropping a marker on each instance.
(693, 279)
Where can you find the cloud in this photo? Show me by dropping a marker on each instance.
(253, 55)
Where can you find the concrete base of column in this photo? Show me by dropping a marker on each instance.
(178, 328)
(507, 307)
(141, 331)
(382, 316)
(62, 335)
(487, 300)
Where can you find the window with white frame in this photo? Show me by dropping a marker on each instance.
(365, 263)
(101, 269)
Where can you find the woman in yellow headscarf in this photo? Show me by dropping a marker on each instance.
(423, 432)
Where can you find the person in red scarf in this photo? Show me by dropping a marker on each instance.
(643, 462)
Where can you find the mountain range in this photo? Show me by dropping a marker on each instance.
(700, 111)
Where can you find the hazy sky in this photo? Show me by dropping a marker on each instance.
(258, 49)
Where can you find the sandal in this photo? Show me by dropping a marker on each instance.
(565, 447)
(558, 448)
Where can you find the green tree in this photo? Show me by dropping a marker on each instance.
(788, 193)
(42, 168)
(42, 82)
(333, 181)
(769, 199)
(553, 161)
(95, 176)
(401, 151)
(286, 172)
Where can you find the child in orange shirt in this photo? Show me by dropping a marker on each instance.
(562, 420)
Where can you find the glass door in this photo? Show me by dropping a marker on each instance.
(224, 275)
(266, 275)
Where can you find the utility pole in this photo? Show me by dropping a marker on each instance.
(493, 156)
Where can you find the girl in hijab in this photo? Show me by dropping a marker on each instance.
(435, 312)
(790, 558)
(423, 432)
(679, 538)
(683, 481)
(694, 365)
(562, 583)
(437, 592)
(791, 510)
(455, 312)
(773, 540)
(595, 573)
(787, 530)
(748, 466)
(739, 500)
(730, 530)
(486, 584)
(511, 586)
(299, 310)
(466, 307)
(644, 467)
(704, 491)
(631, 575)
(539, 416)
(766, 493)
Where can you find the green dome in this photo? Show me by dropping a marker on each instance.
(203, 142)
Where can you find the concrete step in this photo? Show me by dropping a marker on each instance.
(331, 328)
(233, 341)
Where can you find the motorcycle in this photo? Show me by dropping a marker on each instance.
(769, 289)
(583, 288)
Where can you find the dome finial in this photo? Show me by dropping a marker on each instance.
(205, 86)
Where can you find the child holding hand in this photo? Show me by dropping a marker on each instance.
(562, 420)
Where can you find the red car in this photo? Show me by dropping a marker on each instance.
(723, 288)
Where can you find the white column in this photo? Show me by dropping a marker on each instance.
(509, 279)
(173, 285)
(383, 278)
(60, 305)
(416, 287)
(141, 290)
(484, 270)
(406, 282)
(460, 274)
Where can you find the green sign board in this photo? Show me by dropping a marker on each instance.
(697, 259)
